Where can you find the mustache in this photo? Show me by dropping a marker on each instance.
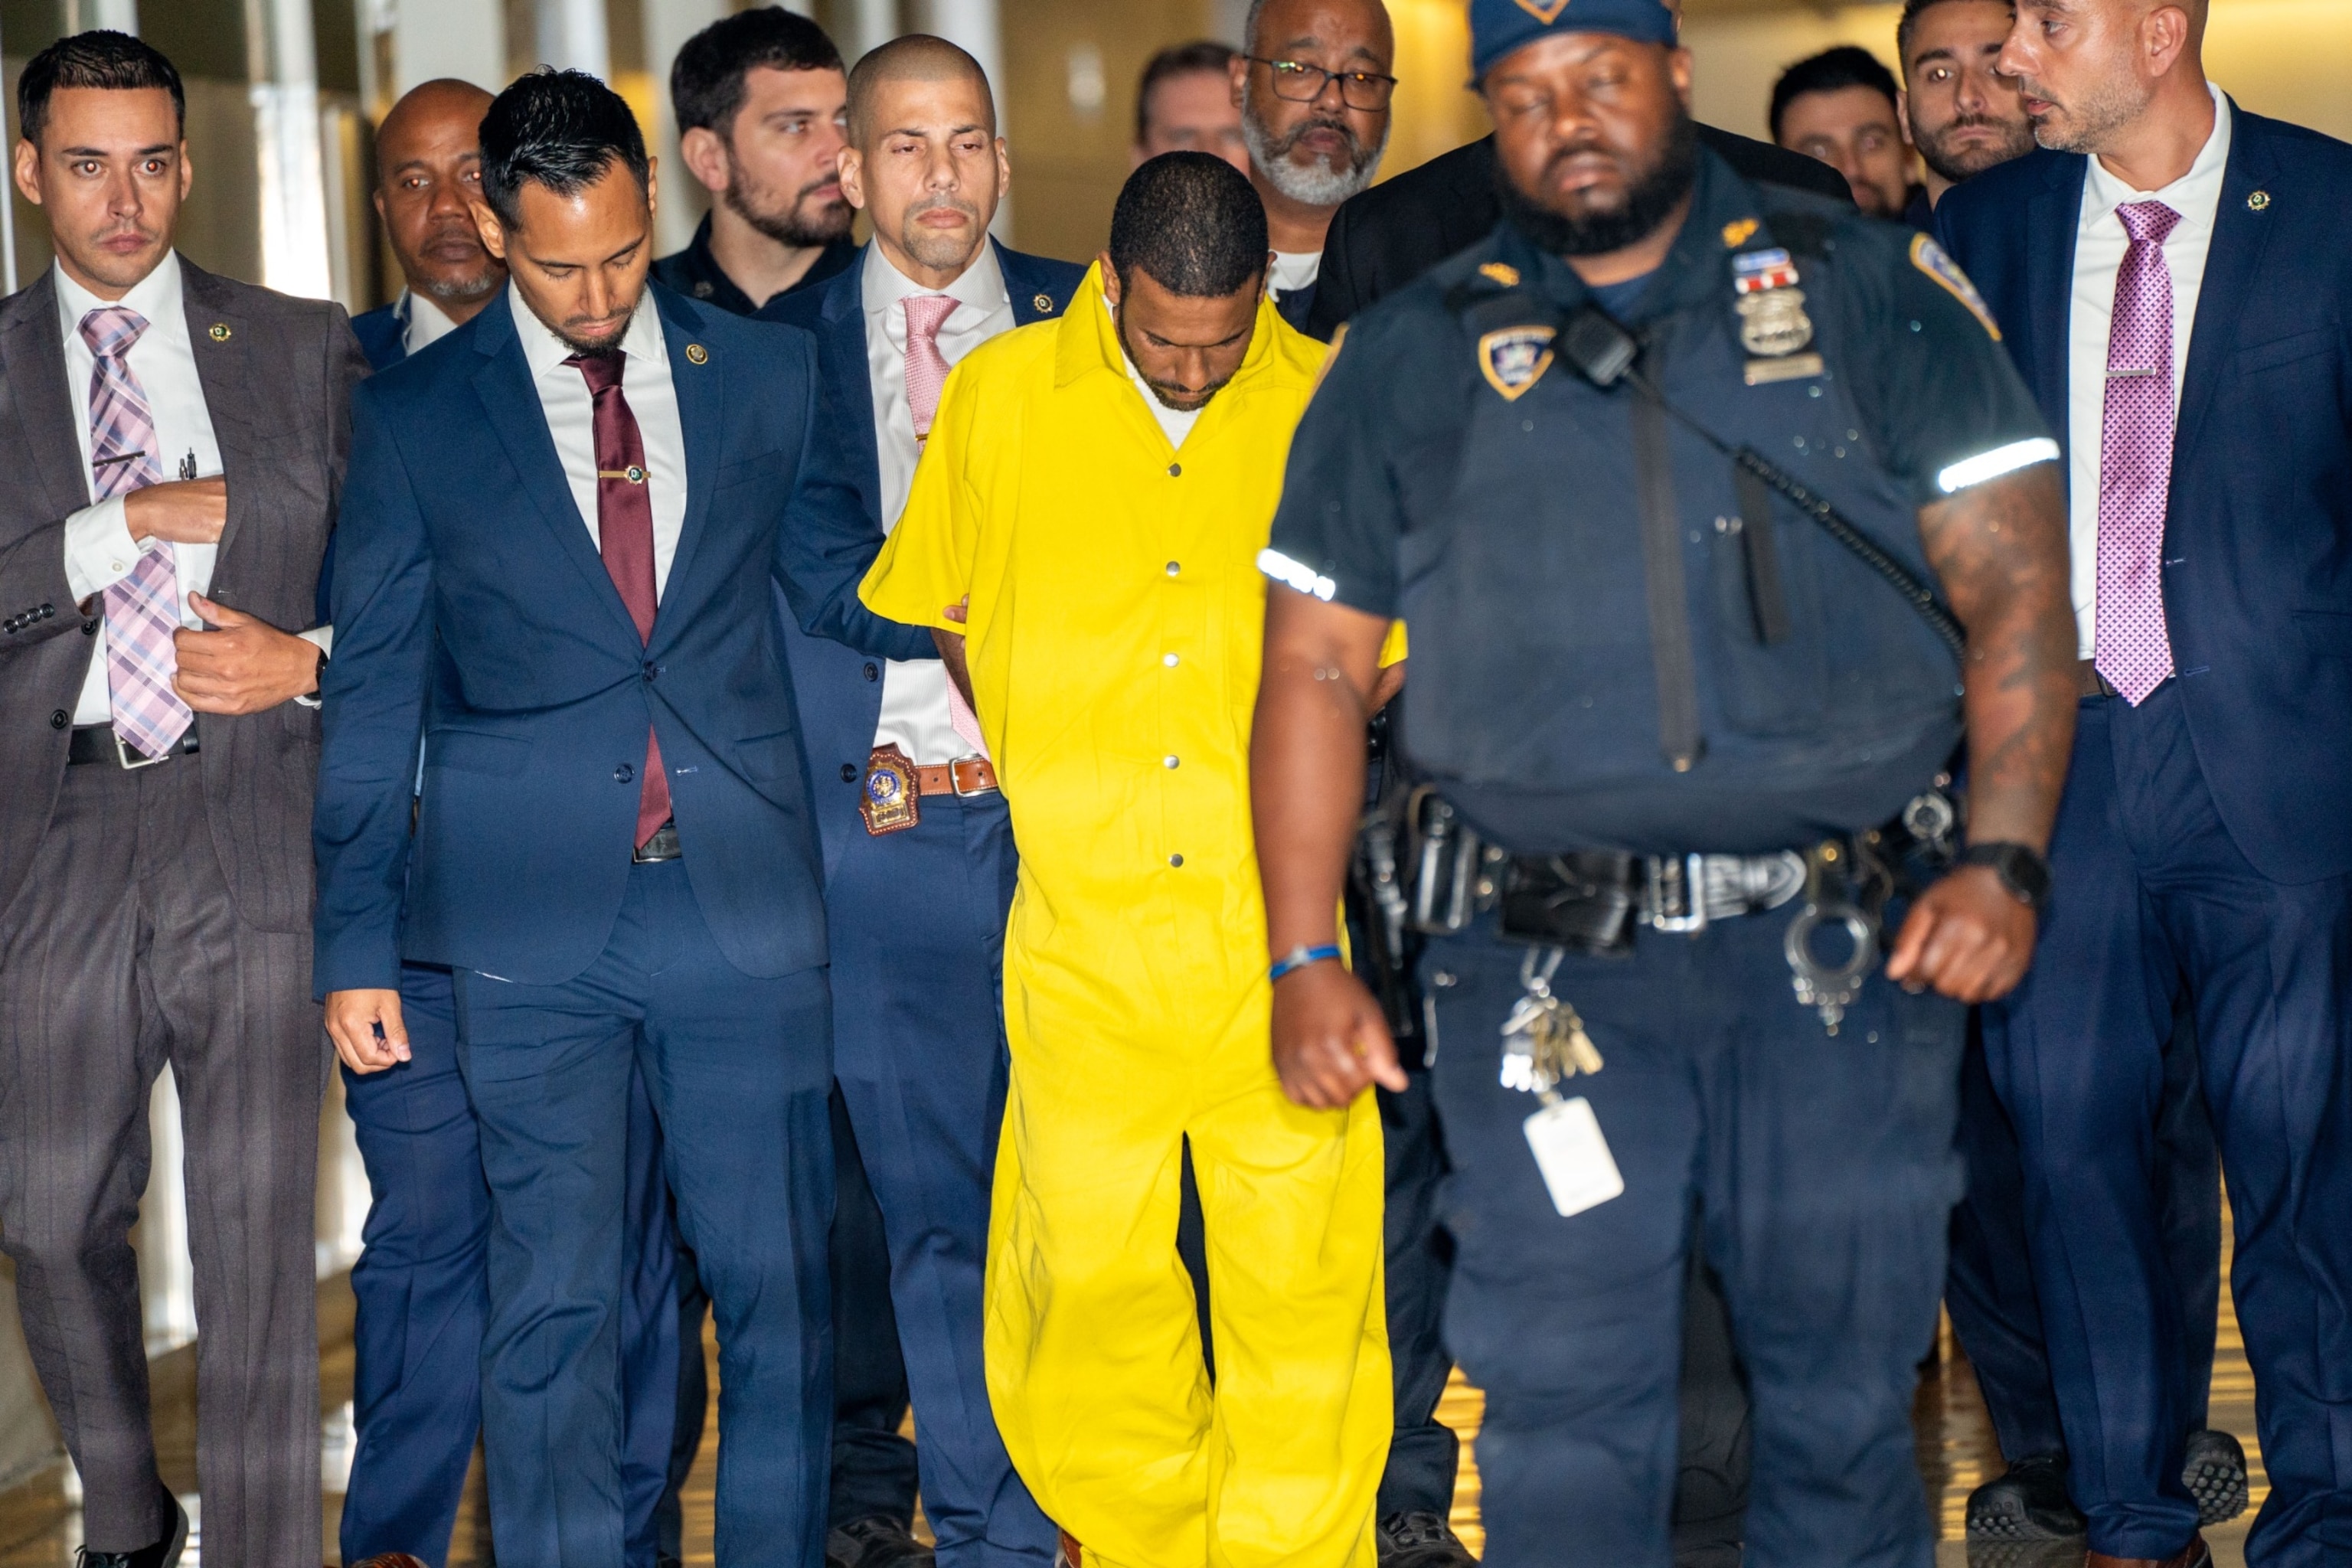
(1283, 145)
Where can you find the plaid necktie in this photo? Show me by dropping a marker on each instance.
(2133, 646)
(142, 609)
(625, 536)
(926, 376)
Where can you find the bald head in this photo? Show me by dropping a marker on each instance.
(429, 162)
(918, 58)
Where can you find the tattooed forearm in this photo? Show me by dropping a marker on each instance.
(2000, 549)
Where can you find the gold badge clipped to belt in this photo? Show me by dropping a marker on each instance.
(889, 802)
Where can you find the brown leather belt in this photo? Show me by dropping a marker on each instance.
(2089, 681)
(973, 775)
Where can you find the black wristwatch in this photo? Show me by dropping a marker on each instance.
(2023, 870)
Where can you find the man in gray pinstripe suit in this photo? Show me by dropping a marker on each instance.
(177, 443)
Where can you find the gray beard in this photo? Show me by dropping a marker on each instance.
(1320, 185)
(471, 286)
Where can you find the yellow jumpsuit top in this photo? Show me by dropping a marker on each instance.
(1114, 636)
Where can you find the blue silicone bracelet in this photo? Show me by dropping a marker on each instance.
(1299, 958)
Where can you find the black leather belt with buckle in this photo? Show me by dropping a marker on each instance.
(662, 845)
(100, 743)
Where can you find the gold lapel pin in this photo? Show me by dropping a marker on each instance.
(2258, 201)
(1043, 304)
(697, 355)
(220, 334)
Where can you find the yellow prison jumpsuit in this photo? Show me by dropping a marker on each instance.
(1115, 636)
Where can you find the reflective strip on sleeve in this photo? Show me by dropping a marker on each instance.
(1991, 465)
(1296, 574)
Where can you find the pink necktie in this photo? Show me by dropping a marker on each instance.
(142, 609)
(2134, 648)
(927, 374)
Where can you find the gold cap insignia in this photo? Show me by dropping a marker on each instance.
(697, 355)
(1502, 272)
(2258, 201)
(1545, 12)
(1735, 233)
(1043, 304)
(220, 334)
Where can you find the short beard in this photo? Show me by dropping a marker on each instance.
(1321, 185)
(2018, 140)
(1119, 325)
(747, 199)
(467, 286)
(609, 349)
(939, 252)
(1650, 200)
(2089, 125)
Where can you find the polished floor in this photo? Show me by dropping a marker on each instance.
(40, 1522)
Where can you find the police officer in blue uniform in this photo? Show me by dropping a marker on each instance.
(1713, 511)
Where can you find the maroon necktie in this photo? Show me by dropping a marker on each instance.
(624, 533)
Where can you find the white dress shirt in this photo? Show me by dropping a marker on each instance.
(1174, 422)
(99, 550)
(571, 420)
(1295, 269)
(2099, 247)
(915, 695)
(422, 323)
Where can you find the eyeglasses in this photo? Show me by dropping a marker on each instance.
(1301, 83)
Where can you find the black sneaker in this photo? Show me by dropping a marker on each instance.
(876, 1541)
(2215, 1475)
(164, 1553)
(2029, 1503)
(1421, 1540)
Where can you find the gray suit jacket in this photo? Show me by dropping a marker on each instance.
(278, 374)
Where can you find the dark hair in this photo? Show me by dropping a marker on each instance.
(706, 81)
(1848, 65)
(116, 61)
(558, 129)
(1906, 25)
(1193, 223)
(1178, 59)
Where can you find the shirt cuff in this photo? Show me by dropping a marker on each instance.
(323, 639)
(99, 550)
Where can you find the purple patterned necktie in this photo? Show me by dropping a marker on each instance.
(142, 610)
(2135, 649)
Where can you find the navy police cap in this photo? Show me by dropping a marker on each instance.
(1499, 26)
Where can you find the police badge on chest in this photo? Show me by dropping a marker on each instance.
(1773, 326)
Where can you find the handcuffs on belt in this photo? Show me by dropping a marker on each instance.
(1446, 875)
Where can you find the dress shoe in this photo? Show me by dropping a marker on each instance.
(2196, 1554)
(391, 1559)
(2029, 1503)
(2215, 1475)
(876, 1540)
(1421, 1540)
(164, 1553)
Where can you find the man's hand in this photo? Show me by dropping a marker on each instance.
(1967, 937)
(243, 666)
(1330, 1042)
(185, 511)
(951, 649)
(353, 1020)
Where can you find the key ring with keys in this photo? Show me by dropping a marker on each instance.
(1544, 1041)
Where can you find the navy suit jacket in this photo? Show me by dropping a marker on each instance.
(472, 611)
(2258, 533)
(382, 333)
(840, 687)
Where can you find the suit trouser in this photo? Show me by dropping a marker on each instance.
(422, 1289)
(1990, 1294)
(917, 919)
(2153, 902)
(873, 1464)
(738, 1068)
(1821, 1174)
(123, 952)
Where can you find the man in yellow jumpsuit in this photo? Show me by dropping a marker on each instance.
(1099, 487)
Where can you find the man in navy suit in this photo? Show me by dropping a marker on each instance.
(2171, 276)
(611, 849)
(420, 1284)
(918, 906)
